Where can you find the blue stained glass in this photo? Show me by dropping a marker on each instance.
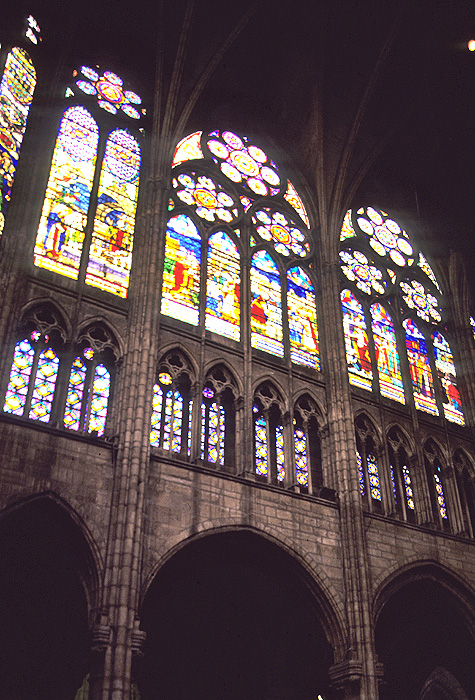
(99, 400)
(359, 463)
(279, 450)
(261, 446)
(408, 487)
(216, 434)
(157, 402)
(20, 372)
(43, 390)
(173, 421)
(301, 460)
(373, 477)
(74, 399)
(393, 483)
(190, 407)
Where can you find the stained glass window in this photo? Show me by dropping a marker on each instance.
(347, 230)
(181, 272)
(223, 289)
(16, 94)
(385, 236)
(419, 365)
(301, 458)
(88, 395)
(292, 197)
(266, 305)
(110, 253)
(63, 220)
(361, 478)
(109, 91)
(373, 476)
(279, 452)
(445, 367)
(243, 163)
(33, 374)
(208, 198)
(212, 429)
(274, 226)
(418, 298)
(188, 148)
(387, 358)
(358, 269)
(261, 446)
(302, 317)
(439, 490)
(408, 487)
(356, 342)
(171, 416)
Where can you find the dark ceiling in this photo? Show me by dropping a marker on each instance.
(396, 77)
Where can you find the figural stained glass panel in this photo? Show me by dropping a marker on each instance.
(16, 94)
(419, 365)
(302, 317)
(64, 216)
(444, 363)
(223, 287)
(387, 358)
(181, 270)
(356, 342)
(266, 305)
(110, 254)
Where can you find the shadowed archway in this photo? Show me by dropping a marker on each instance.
(45, 566)
(229, 617)
(420, 629)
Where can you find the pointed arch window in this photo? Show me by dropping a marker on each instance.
(269, 448)
(88, 392)
(307, 446)
(387, 357)
(356, 341)
(266, 305)
(172, 407)
(379, 259)
(87, 222)
(220, 179)
(368, 470)
(401, 480)
(223, 287)
(16, 95)
(436, 485)
(218, 419)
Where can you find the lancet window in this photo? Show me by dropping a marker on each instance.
(30, 392)
(269, 451)
(367, 464)
(90, 381)
(172, 405)
(393, 317)
(17, 87)
(52, 385)
(436, 484)
(307, 446)
(237, 223)
(401, 477)
(87, 222)
(218, 418)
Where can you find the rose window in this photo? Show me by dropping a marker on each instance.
(208, 198)
(424, 304)
(244, 163)
(108, 88)
(385, 235)
(358, 269)
(284, 234)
